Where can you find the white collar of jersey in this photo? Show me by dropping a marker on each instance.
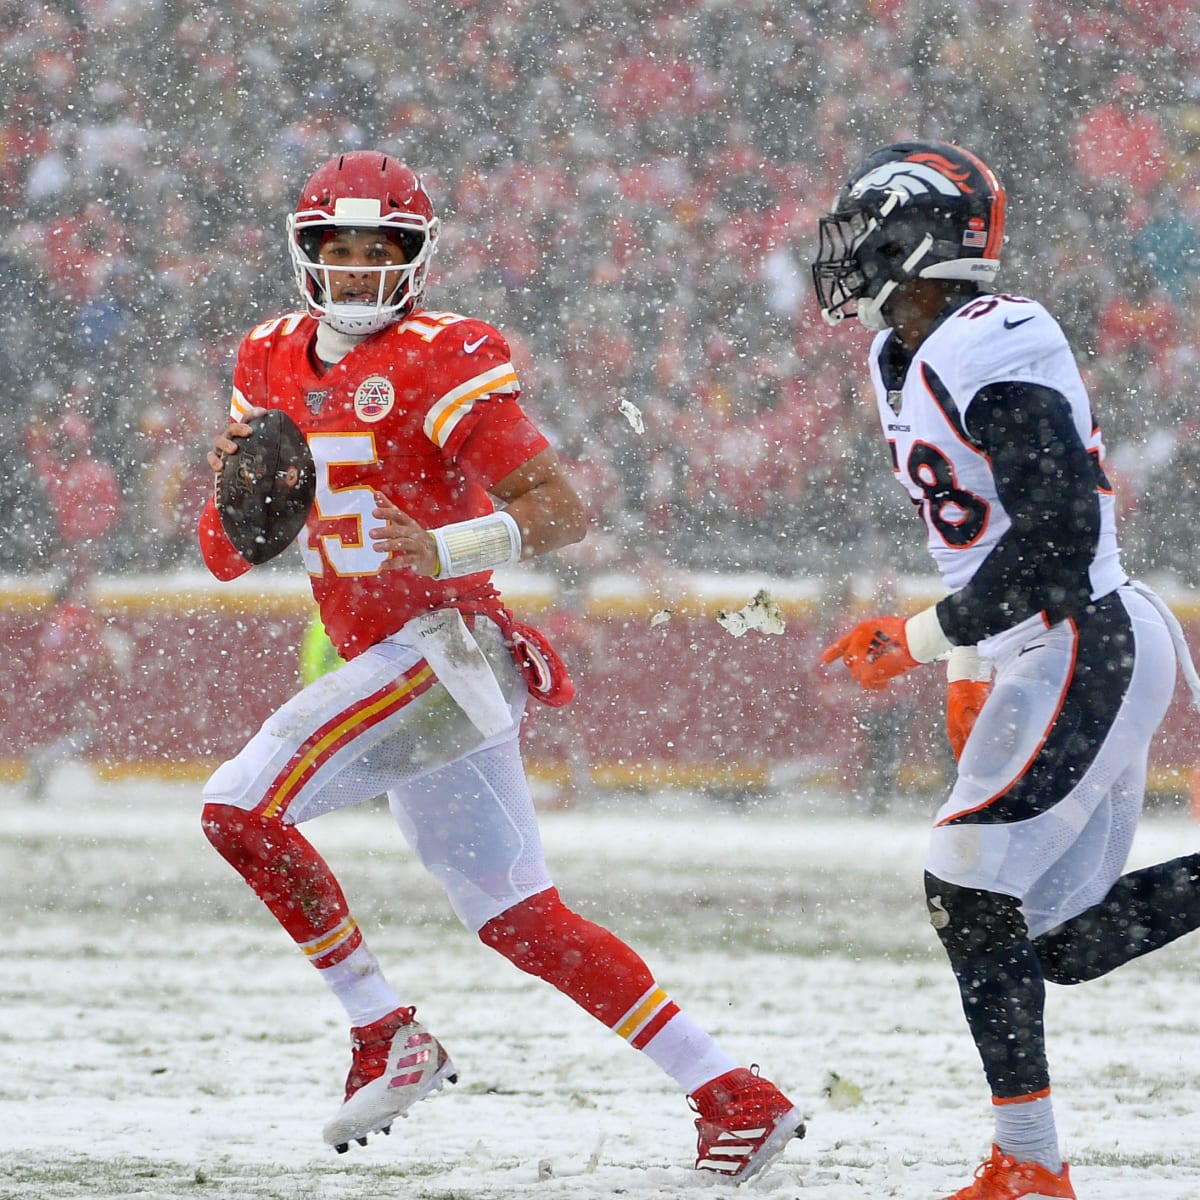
(333, 346)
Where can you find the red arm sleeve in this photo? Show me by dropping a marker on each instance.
(494, 448)
(219, 555)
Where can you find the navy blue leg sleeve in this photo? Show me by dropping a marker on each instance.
(1144, 910)
(1000, 982)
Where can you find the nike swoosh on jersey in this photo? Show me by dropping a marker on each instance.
(1011, 324)
(471, 347)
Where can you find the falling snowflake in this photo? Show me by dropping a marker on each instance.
(633, 415)
(762, 613)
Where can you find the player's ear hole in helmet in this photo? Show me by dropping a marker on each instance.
(366, 190)
(910, 210)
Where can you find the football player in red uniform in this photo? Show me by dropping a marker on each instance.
(1060, 668)
(429, 476)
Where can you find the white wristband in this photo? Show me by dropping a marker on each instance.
(926, 641)
(965, 662)
(479, 544)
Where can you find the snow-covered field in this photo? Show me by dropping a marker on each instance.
(160, 1038)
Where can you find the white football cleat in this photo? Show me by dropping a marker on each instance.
(397, 1062)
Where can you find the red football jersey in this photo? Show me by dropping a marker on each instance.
(424, 412)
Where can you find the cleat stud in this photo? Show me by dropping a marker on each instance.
(342, 1147)
(387, 1129)
(361, 1141)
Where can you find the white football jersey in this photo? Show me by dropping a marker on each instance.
(927, 423)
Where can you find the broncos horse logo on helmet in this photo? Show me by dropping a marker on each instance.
(913, 209)
(913, 177)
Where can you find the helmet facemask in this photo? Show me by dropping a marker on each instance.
(913, 210)
(417, 235)
(844, 287)
(862, 259)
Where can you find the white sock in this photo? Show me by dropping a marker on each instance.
(1026, 1132)
(687, 1053)
(358, 983)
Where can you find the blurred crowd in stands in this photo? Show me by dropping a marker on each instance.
(630, 192)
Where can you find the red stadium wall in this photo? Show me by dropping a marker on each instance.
(677, 700)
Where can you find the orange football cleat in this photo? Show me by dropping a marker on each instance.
(1002, 1178)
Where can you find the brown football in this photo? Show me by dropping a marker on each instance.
(267, 488)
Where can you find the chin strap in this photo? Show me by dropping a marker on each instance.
(872, 317)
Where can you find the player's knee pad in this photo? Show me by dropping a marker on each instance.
(586, 962)
(970, 922)
(532, 933)
(230, 783)
(243, 839)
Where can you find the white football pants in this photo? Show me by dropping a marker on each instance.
(382, 723)
(1052, 778)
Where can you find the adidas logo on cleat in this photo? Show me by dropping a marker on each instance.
(729, 1146)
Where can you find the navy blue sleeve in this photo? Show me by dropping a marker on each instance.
(1047, 483)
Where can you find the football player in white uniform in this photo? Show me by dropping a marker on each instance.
(1060, 668)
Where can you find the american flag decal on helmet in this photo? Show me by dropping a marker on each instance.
(975, 235)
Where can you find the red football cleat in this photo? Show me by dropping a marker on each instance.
(1002, 1178)
(744, 1124)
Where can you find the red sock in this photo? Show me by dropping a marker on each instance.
(289, 877)
(584, 961)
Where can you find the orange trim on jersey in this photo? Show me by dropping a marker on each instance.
(238, 406)
(1062, 699)
(343, 728)
(1039, 1095)
(452, 411)
(955, 424)
(960, 430)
